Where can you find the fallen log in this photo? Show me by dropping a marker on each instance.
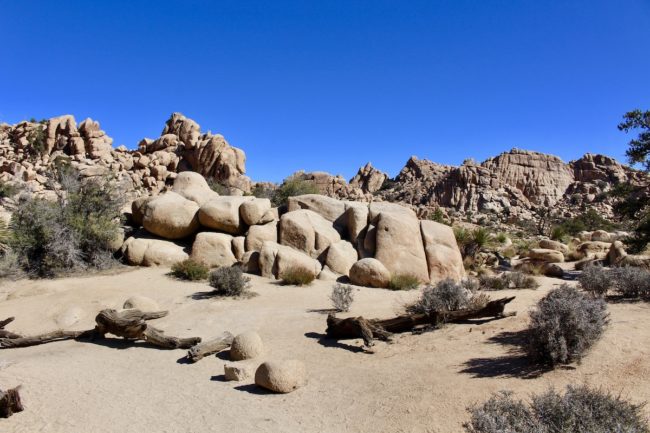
(128, 324)
(4, 333)
(210, 347)
(371, 329)
(10, 402)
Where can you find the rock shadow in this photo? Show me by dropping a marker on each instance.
(325, 341)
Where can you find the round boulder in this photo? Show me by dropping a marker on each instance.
(553, 245)
(369, 272)
(171, 216)
(141, 303)
(281, 376)
(246, 346)
(546, 255)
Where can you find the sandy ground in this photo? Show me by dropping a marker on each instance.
(419, 383)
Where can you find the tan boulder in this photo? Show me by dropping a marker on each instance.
(270, 215)
(601, 236)
(616, 253)
(247, 345)
(399, 243)
(137, 210)
(238, 372)
(275, 260)
(252, 211)
(593, 249)
(193, 186)
(171, 216)
(281, 376)
(327, 207)
(213, 249)
(239, 247)
(259, 234)
(222, 213)
(341, 256)
(307, 231)
(443, 256)
(141, 303)
(546, 255)
(152, 252)
(369, 272)
(585, 236)
(357, 220)
(549, 244)
(250, 262)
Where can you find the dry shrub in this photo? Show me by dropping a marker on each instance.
(596, 280)
(508, 280)
(342, 297)
(297, 276)
(229, 281)
(447, 295)
(564, 325)
(580, 410)
(630, 282)
(403, 282)
(190, 270)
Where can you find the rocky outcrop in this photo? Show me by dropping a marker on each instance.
(30, 150)
(368, 179)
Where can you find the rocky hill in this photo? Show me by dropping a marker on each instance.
(514, 186)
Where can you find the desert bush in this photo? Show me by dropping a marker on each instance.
(190, 270)
(403, 282)
(297, 276)
(10, 266)
(229, 281)
(507, 280)
(341, 297)
(73, 232)
(580, 410)
(293, 186)
(470, 284)
(596, 280)
(471, 242)
(631, 282)
(564, 325)
(447, 295)
(8, 189)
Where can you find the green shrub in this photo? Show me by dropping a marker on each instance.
(8, 189)
(190, 270)
(590, 220)
(341, 297)
(37, 139)
(73, 232)
(403, 282)
(564, 325)
(291, 187)
(229, 281)
(596, 280)
(580, 410)
(631, 282)
(297, 276)
(217, 187)
(472, 242)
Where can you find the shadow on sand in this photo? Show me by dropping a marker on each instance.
(324, 341)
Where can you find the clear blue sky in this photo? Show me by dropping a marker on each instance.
(330, 85)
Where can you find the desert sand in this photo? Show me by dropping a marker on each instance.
(418, 383)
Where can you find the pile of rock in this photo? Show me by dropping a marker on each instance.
(323, 236)
(29, 151)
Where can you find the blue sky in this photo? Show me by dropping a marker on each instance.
(330, 85)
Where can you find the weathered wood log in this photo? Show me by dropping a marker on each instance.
(4, 333)
(371, 329)
(5, 322)
(128, 324)
(10, 402)
(210, 347)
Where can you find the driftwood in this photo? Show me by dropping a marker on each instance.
(371, 329)
(3, 332)
(10, 402)
(128, 324)
(210, 347)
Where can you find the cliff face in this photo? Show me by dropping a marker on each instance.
(29, 151)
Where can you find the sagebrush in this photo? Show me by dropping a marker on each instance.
(342, 297)
(447, 295)
(403, 282)
(229, 281)
(596, 280)
(297, 276)
(190, 269)
(579, 410)
(507, 280)
(564, 325)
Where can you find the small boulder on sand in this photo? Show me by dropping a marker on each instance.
(246, 346)
(141, 303)
(238, 372)
(369, 272)
(281, 376)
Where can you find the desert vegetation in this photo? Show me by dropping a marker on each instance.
(342, 297)
(190, 270)
(229, 281)
(626, 282)
(297, 276)
(579, 409)
(507, 280)
(403, 282)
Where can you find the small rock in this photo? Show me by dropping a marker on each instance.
(237, 372)
(141, 303)
(246, 346)
(281, 376)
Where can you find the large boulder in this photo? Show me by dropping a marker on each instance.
(601, 236)
(152, 252)
(357, 221)
(253, 211)
(213, 249)
(329, 208)
(281, 376)
(222, 214)
(259, 234)
(307, 231)
(593, 249)
(398, 241)
(443, 256)
(246, 346)
(553, 245)
(137, 210)
(545, 255)
(193, 186)
(275, 260)
(369, 272)
(171, 216)
(341, 256)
